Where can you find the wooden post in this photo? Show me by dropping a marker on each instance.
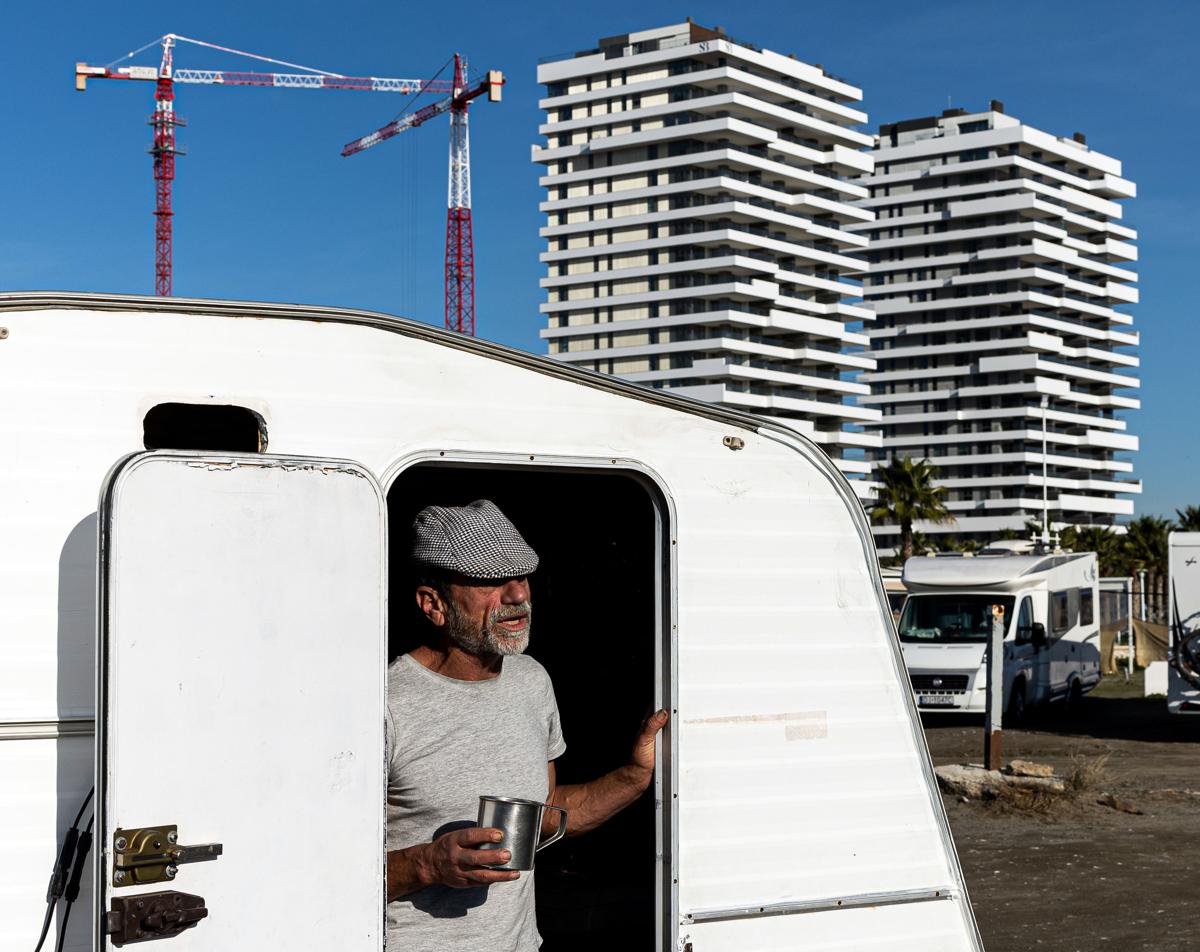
(993, 717)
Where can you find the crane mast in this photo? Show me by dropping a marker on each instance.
(164, 151)
(460, 244)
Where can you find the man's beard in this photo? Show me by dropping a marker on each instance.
(493, 639)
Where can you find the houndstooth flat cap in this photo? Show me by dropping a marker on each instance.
(475, 540)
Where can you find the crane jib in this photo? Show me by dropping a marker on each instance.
(397, 126)
(375, 84)
(220, 77)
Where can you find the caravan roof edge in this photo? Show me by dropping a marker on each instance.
(44, 300)
(983, 571)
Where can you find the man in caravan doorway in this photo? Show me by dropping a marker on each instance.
(469, 715)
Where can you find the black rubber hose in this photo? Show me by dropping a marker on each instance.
(60, 875)
(81, 851)
(82, 847)
(45, 926)
(58, 878)
(62, 929)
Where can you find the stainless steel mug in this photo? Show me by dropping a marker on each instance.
(521, 823)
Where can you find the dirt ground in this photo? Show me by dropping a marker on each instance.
(1081, 875)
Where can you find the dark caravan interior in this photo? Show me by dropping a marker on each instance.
(595, 600)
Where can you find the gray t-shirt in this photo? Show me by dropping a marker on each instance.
(449, 742)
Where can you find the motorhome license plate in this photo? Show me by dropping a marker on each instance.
(935, 700)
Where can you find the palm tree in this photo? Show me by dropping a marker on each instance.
(1189, 519)
(1146, 544)
(1146, 548)
(954, 544)
(907, 496)
(1099, 539)
(922, 544)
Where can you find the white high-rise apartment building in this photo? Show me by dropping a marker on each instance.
(699, 191)
(999, 273)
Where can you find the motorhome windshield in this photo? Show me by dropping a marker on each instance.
(951, 617)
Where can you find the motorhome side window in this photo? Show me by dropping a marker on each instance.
(1025, 621)
(204, 426)
(1061, 616)
(1086, 610)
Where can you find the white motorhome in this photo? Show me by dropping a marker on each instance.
(195, 610)
(1052, 629)
(1183, 671)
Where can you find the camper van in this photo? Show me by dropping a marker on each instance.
(1049, 605)
(1183, 669)
(206, 513)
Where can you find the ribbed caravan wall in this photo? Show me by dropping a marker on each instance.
(47, 657)
(43, 782)
(808, 814)
(800, 809)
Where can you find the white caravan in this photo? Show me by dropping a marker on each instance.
(224, 477)
(1052, 629)
(1183, 671)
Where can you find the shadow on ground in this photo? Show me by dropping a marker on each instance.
(1111, 718)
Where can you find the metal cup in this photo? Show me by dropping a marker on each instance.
(521, 823)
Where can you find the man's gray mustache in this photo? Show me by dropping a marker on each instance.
(505, 612)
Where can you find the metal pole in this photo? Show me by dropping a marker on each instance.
(1045, 488)
(1141, 600)
(994, 712)
(1132, 645)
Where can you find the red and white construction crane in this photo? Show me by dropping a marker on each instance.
(460, 243)
(164, 122)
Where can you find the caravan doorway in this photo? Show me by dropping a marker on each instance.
(601, 596)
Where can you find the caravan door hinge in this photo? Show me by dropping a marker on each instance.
(159, 915)
(152, 854)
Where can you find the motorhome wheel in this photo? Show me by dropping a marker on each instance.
(1074, 698)
(1016, 704)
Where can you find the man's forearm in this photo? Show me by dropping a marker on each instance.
(407, 871)
(590, 804)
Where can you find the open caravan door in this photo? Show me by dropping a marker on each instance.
(240, 744)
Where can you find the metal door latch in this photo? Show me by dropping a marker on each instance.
(158, 915)
(152, 854)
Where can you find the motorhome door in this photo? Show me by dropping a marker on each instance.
(1027, 659)
(241, 684)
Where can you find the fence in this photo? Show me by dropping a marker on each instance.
(1116, 629)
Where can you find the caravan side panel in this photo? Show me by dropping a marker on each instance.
(804, 782)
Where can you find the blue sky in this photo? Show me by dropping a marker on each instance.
(267, 209)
